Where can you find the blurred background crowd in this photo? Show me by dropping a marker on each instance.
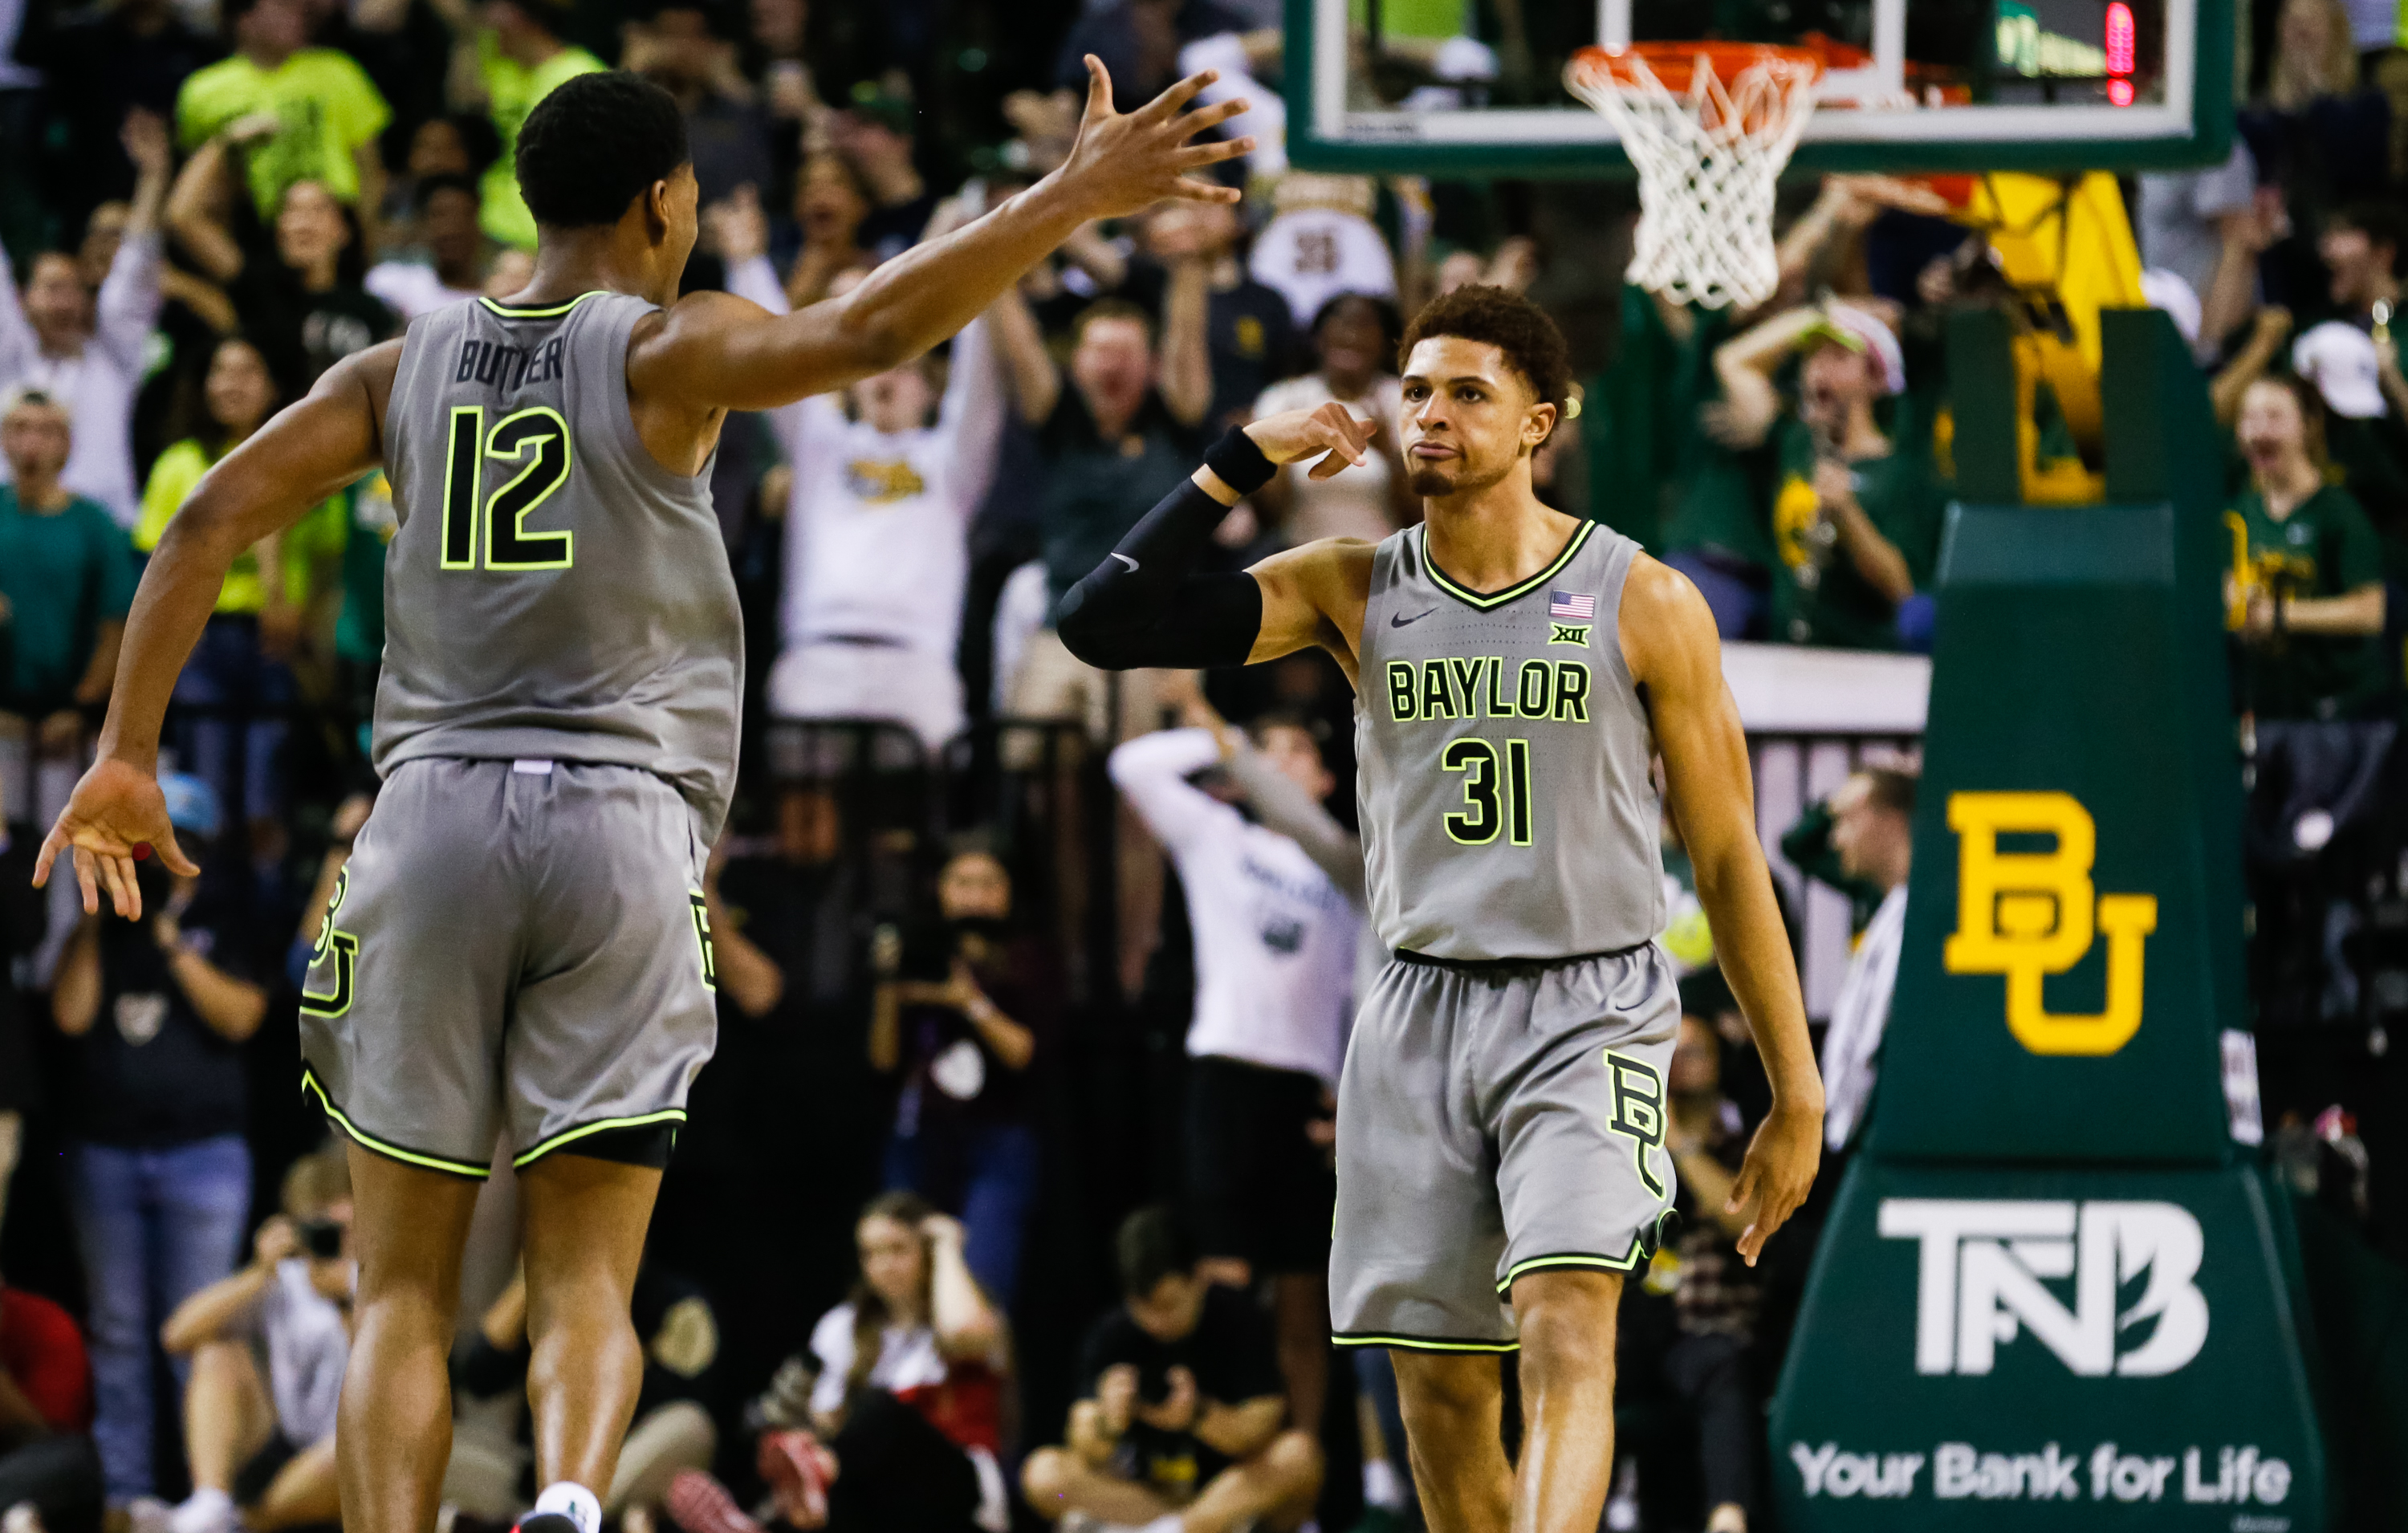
(1005, 1198)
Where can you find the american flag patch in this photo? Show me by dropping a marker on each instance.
(1576, 606)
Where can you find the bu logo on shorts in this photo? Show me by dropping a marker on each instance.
(1638, 1113)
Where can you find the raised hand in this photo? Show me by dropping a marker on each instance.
(1329, 432)
(1124, 163)
(738, 229)
(115, 808)
(145, 138)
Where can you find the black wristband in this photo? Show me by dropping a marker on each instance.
(1240, 463)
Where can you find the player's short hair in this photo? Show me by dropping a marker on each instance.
(1891, 788)
(597, 144)
(1502, 318)
(1154, 1243)
(2380, 222)
(1111, 308)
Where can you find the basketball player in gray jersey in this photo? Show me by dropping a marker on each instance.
(1502, 1113)
(517, 950)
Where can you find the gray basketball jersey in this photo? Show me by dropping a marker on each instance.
(1502, 760)
(554, 592)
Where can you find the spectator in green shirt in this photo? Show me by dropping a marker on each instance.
(299, 113)
(1676, 487)
(2310, 597)
(518, 58)
(1856, 519)
(66, 578)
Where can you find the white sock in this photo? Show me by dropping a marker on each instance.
(573, 1501)
(206, 1508)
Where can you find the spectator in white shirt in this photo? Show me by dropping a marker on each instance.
(55, 337)
(268, 1346)
(876, 549)
(453, 247)
(1873, 832)
(1322, 242)
(896, 1419)
(1274, 939)
(2207, 227)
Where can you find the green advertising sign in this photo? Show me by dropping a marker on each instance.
(2060, 923)
(2052, 1293)
(2048, 1349)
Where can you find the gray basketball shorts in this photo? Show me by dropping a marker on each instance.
(514, 948)
(1494, 1120)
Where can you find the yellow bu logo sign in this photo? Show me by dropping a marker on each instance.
(2030, 914)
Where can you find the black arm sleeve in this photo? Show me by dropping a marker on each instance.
(1143, 607)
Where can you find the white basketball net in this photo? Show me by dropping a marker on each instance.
(1707, 161)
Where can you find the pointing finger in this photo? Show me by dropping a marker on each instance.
(43, 859)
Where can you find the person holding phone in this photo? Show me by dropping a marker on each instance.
(155, 1009)
(268, 1346)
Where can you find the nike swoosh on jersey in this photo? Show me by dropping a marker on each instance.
(1398, 620)
(1132, 564)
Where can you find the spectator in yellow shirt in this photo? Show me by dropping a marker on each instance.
(238, 677)
(325, 114)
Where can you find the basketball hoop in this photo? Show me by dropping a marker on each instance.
(1708, 156)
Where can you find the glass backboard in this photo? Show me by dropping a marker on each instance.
(1404, 86)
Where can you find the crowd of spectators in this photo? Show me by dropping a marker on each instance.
(949, 1064)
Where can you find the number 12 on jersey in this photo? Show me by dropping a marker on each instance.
(1491, 799)
(495, 525)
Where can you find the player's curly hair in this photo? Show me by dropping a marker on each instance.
(1502, 318)
(593, 145)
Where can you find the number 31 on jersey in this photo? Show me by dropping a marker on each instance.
(493, 526)
(1491, 799)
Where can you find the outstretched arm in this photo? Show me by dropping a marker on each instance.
(307, 453)
(1744, 365)
(1667, 637)
(714, 351)
(1144, 605)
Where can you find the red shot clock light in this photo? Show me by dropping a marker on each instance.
(2119, 53)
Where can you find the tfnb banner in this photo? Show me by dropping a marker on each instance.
(2053, 1294)
(2017, 1348)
